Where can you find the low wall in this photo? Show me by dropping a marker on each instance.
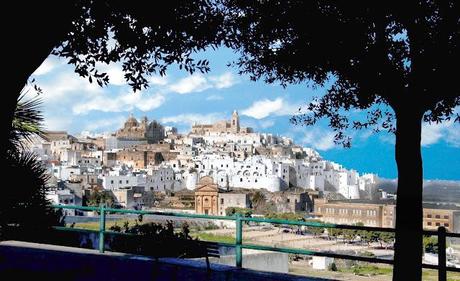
(259, 260)
(31, 261)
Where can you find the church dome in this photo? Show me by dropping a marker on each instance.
(131, 122)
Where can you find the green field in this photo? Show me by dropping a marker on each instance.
(108, 224)
(213, 238)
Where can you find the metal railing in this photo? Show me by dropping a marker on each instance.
(239, 245)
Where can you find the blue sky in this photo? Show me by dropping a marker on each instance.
(71, 103)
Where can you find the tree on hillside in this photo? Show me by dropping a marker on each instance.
(97, 198)
(145, 39)
(257, 199)
(395, 60)
(244, 212)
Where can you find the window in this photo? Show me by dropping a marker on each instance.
(119, 181)
(429, 223)
(438, 224)
(446, 216)
(111, 181)
(221, 200)
(241, 179)
(429, 216)
(127, 181)
(446, 225)
(221, 180)
(438, 216)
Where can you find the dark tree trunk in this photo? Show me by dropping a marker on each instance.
(409, 210)
(34, 29)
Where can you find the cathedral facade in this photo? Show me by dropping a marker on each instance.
(153, 132)
(224, 126)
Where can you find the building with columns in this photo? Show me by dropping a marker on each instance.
(206, 197)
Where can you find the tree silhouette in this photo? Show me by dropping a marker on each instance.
(395, 60)
(25, 213)
(145, 39)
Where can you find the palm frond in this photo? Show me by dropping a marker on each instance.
(28, 119)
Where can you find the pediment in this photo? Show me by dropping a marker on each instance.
(206, 188)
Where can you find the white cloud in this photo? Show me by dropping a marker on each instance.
(192, 118)
(447, 131)
(158, 80)
(119, 103)
(319, 139)
(105, 125)
(198, 83)
(431, 133)
(264, 108)
(67, 85)
(225, 80)
(215, 97)
(57, 123)
(115, 73)
(190, 84)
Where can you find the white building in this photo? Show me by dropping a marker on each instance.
(65, 172)
(159, 179)
(62, 197)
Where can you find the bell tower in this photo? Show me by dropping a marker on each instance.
(235, 122)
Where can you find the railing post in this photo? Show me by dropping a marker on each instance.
(442, 254)
(239, 241)
(101, 228)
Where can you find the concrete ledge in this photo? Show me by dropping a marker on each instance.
(31, 260)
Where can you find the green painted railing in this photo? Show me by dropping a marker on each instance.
(239, 245)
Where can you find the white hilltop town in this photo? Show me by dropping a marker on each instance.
(145, 157)
(220, 169)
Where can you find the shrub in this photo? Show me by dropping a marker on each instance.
(332, 267)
